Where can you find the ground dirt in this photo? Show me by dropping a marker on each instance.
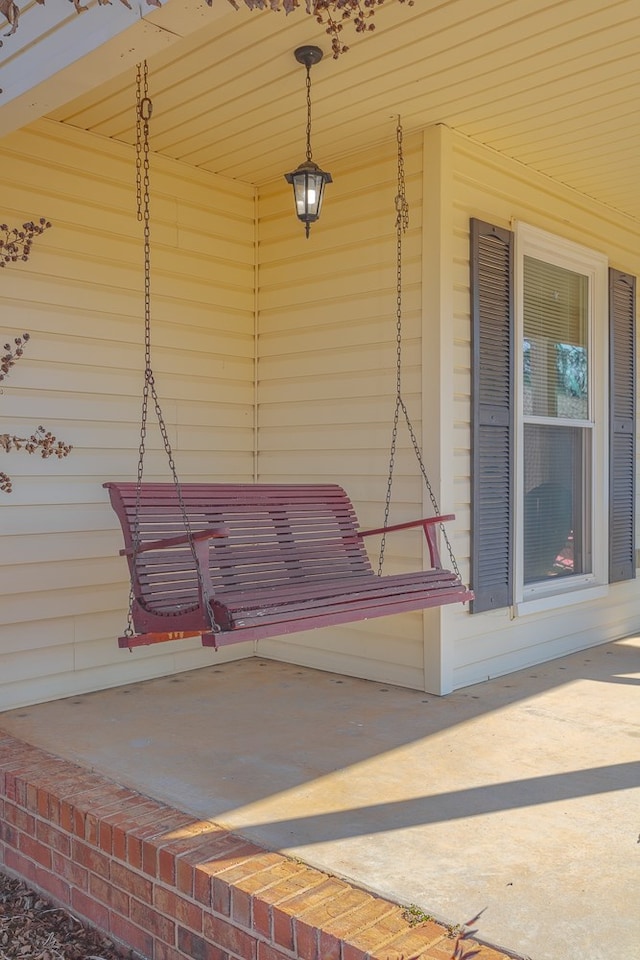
(32, 928)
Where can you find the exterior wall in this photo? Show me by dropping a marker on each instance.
(63, 587)
(480, 183)
(327, 352)
(326, 373)
(326, 349)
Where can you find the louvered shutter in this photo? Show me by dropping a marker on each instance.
(492, 418)
(622, 387)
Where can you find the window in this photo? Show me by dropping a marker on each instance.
(560, 427)
(549, 496)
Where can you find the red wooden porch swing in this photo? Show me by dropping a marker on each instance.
(235, 562)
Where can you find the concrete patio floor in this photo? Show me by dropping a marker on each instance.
(519, 795)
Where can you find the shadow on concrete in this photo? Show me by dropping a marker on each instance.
(472, 802)
(516, 794)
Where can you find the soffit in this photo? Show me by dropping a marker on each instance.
(555, 86)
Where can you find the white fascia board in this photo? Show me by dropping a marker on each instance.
(55, 56)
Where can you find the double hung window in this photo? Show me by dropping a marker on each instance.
(561, 342)
(546, 484)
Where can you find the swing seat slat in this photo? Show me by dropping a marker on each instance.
(270, 559)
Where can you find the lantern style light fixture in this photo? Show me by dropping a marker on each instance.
(308, 179)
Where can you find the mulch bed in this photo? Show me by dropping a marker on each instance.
(32, 928)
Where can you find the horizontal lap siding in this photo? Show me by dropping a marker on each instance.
(63, 587)
(326, 370)
(494, 189)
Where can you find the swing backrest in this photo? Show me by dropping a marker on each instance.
(273, 535)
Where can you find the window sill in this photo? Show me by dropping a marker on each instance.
(557, 600)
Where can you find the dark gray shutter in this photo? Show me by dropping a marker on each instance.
(622, 433)
(492, 395)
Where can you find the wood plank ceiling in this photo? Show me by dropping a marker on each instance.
(555, 85)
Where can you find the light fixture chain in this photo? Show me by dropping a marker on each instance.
(308, 112)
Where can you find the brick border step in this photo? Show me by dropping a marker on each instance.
(171, 887)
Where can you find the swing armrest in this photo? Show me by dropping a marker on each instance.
(428, 524)
(200, 540)
(209, 534)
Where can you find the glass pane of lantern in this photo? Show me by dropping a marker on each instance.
(300, 193)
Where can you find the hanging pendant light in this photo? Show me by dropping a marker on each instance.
(308, 179)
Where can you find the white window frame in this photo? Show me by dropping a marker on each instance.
(532, 242)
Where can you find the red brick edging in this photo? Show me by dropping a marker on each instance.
(174, 888)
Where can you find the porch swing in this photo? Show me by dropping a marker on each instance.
(239, 562)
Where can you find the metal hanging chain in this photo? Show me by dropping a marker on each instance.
(142, 93)
(402, 223)
(144, 109)
(308, 111)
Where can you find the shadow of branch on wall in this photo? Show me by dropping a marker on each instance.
(15, 246)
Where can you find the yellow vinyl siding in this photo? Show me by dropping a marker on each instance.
(63, 587)
(326, 369)
(235, 281)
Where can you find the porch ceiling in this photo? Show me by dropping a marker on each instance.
(555, 86)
